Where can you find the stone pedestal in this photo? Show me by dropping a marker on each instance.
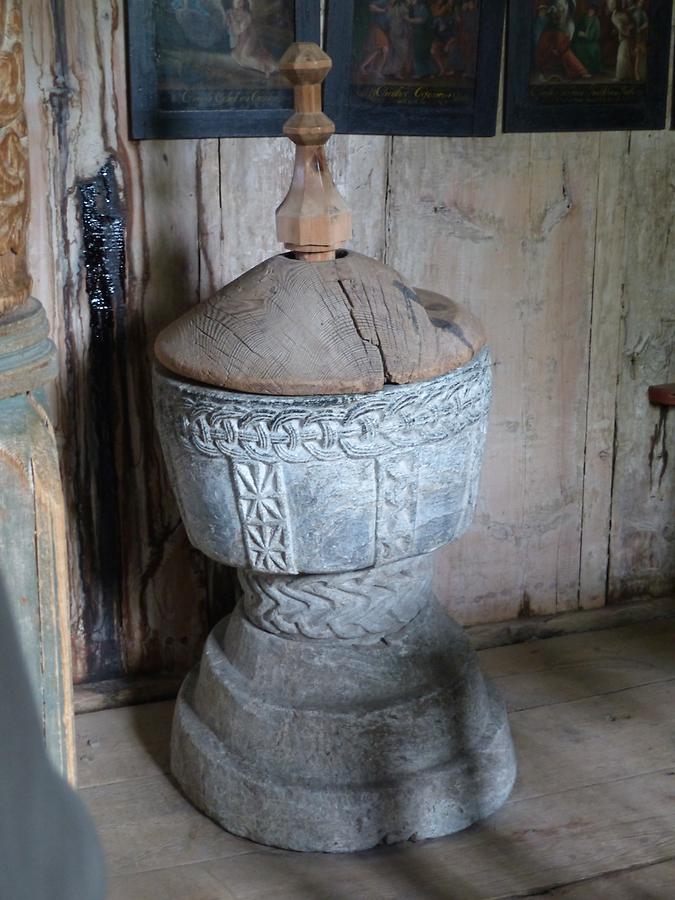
(338, 706)
(328, 741)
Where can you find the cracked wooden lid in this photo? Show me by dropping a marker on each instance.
(317, 320)
(292, 326)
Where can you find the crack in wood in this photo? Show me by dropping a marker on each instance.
(351, 308)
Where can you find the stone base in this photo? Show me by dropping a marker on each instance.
(339, 745)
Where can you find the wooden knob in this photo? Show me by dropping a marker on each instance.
(313, 220)
(662, 394)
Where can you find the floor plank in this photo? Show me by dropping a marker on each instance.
(147, 824)
(183, 883)
(120, 744)
(527, 846)
(582, 665)
(594, 741)
(641, 883)
(593, 717)
(523, 847)
(576, 621)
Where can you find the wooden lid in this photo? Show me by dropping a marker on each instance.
(317, 320)
(293, 326)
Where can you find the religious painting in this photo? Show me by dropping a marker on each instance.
(576, 65)
(414, 66)
(209, 68)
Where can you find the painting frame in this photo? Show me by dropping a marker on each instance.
(351, 115)
(645, 110)
(672, 78)
(148, 121)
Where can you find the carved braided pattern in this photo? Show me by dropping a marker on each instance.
(362, 606)
(255, 429)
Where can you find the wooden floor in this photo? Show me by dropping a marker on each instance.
(592, 814)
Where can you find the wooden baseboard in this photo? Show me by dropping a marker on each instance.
(515, 631)
(94, 696)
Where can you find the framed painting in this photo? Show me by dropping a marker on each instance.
(208, 68)
(587, 65)
(414, 66)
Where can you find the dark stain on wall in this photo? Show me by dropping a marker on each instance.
(97, 484)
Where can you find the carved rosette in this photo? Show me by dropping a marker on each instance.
(15, 281)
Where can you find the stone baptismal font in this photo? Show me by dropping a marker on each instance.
(323, 425)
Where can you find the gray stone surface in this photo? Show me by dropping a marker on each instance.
(325, 483)
(338, 706)
(336, 746)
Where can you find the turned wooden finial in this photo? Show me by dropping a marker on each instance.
(313, 220)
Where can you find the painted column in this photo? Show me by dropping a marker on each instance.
(33, 562)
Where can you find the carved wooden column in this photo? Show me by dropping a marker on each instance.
(33, 563)
(323, 423)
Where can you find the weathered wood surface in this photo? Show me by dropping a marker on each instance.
(540, 254)
(91, 696)
(129, 554)
(594, 804)
(649, 881)
(642, 543)
(558, 243)
(577, 621)
(14, 184)
(518, 249)
(33, 566)
(295, 327)
(33, 544)
(600, 420)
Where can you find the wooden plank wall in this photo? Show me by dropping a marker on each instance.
(561, 243)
